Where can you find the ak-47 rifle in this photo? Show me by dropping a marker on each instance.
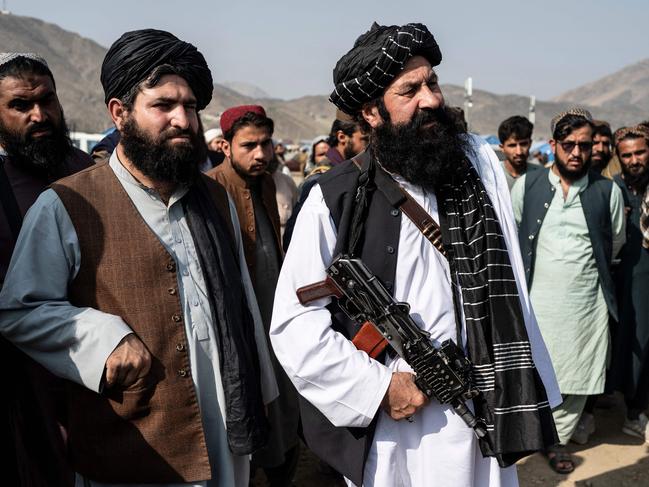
(443, 373)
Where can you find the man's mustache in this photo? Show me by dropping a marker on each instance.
(39, 127)
(427, 116)
(172, 133)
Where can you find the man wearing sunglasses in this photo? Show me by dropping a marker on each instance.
(571, 225)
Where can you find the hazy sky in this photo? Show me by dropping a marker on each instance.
(289, 48)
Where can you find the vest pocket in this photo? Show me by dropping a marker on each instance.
(135, 401)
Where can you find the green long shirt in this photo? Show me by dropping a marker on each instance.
(566, 294)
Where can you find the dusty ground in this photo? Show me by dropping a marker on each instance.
(610, 459)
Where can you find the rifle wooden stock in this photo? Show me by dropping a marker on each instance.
(368, 337)
(369, 340)
(318, 290)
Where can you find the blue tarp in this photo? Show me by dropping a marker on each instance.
(491, 139)
(543, 148)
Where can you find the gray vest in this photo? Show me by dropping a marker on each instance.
(595, 202)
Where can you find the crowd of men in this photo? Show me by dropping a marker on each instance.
(151, 331)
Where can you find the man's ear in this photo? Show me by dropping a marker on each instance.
(226, 148)
(117, 112)
(371, 115)
(553, 146)
(341, 137)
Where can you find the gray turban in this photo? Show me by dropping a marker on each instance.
(132, 58)
(377, 57)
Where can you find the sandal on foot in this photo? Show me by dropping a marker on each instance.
(560, 460)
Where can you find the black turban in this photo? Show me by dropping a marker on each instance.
(375, 60)
(132, 58)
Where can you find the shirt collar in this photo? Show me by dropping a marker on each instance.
(580, 184)
(127, 178)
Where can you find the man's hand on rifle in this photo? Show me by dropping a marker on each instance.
(403, 397)
(129, 361)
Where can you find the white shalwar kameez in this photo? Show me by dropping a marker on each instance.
(437, 448)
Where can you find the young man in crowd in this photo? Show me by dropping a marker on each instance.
(631, 357)
(515, 134)
(571, 225)
(248, 148)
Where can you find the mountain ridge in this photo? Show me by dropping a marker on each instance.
(75, 62)
(626, 86)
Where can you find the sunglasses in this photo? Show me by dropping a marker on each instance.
(568, 146)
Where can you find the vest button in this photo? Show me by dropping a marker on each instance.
(180, 347)
(171, 291)
(539, 221)
(251, 228)
(390, 249)
(171, 266)
(546, 205)
(394, 212)
(531, 237)
(176, 318)
(247, 196)
(183, 373)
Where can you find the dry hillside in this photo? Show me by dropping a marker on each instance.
(621, 98)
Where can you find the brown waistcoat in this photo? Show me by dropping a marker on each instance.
(151, 432)
(240, 193)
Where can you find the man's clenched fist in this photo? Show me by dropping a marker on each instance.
(129, 361)
(403, 397)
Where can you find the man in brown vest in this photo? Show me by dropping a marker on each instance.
(35, 150)
(248, 148)
(129, 281)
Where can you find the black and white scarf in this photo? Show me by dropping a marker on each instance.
(512, 401)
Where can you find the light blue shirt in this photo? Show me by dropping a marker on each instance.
(74, 343)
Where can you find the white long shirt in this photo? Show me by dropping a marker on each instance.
(74, 343)
(347, 386)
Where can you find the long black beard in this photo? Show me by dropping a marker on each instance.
(569, 174)
(159, 160)
(42, 157)
(426, 156)
(638, 182)
(600, 166)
